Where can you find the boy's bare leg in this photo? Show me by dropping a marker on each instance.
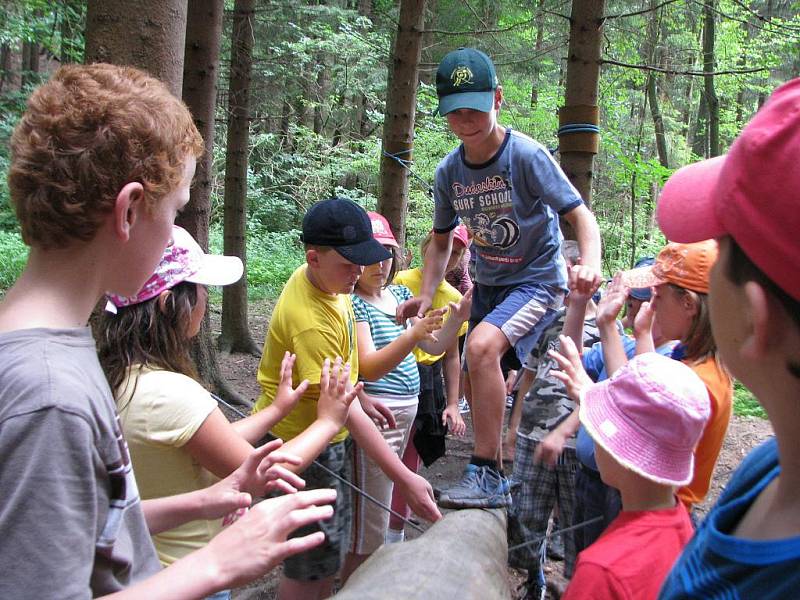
(510, 441)
(292, 589)
(485, 346)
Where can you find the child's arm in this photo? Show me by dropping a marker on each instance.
(608, 309)
(255, 426)
(550, 448)
(643, 329)
(452, 372)
(434, 265)
(589, 274)
(251, 478)
(240, 553)
(374, 364)
(575, 317)
(218, 448)
(459, 312)
(416, 491)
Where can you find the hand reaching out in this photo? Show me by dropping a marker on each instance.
(418, 494)
(258, 474)
(258, 541)
(584, 280)
(413, 307)
(287, 398)
(572, 373)
(462, 308)
(423, 329)
(613, 300)
(335, 393)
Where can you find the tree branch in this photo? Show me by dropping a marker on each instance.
(639, 12)
(610, 61)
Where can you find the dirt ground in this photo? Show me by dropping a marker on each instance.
(743, 434)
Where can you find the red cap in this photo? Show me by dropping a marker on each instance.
(751, 194)
(381, 230)
(461, 236)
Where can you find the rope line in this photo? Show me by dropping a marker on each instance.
(405, 164)
(539, 538)
(337, 476)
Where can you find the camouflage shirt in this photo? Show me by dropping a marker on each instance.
(546, 405)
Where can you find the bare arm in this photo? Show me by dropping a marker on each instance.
(587, 233)
(434, 265)
(452, 372)
(417, 492)
(459, 312)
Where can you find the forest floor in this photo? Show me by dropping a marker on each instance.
(743, 434)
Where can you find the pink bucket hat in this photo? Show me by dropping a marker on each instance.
(381, 230)
(649, 416)
(183, 260)
(751, 194)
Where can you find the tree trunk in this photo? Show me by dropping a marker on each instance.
(398, 127)
(235, 331)
(653, 28)
(200, 75)
(537, 54)
(580, 98)
(5, 65)
(712, 102)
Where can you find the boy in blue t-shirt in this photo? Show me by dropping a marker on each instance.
(509, 192)
(749, 200)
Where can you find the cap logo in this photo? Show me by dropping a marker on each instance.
(377, 227)
(461, 75)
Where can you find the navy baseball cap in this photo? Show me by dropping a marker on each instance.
(643, 294)
(465, 79)
(343, 225)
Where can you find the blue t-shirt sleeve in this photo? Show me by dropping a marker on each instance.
(545, 179)
(593, 361)
(444, 215)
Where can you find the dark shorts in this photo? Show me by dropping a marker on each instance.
(326, 559)
(521, 312)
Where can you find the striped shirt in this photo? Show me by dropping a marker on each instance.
(403, 380)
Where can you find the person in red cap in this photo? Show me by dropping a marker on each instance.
(749, 200)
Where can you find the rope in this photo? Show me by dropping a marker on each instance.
(578, 128)
(539, 538)
(405, 164)
(337, 476)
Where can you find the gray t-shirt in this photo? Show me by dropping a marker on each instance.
(70, 514)
(511, 204)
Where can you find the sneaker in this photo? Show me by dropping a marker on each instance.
(509, 401)
(480, 487)
(463, 405)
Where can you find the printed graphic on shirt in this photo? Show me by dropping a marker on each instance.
(123, 494)
(486, 208)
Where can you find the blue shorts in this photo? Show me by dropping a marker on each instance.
(521, 312)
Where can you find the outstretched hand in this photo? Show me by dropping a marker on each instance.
(335, 393)
(460, 310)
(259, 474)
(613, 300)
(571, 372)
(418, 494)
(287, 398)
(413, 307)
(258, 541)
(424, 329)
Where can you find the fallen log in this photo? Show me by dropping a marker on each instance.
(462, 556)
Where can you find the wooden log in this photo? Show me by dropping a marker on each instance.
(462, 556)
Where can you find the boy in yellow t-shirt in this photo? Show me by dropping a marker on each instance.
(314, 319)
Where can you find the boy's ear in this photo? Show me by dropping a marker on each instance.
(498, 97)
(127, 207)
(760, 322)
(312, 257)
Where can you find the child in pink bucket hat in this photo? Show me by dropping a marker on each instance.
(645, 422)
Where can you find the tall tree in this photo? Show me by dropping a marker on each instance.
(580, 99)
(235, 331)
(398, 125)
(709, 91)
(200, 76)
(148, 34)
(651, 43)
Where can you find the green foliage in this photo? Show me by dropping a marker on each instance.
(745, 404)
(13, 254)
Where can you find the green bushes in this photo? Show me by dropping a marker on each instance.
(13, 254)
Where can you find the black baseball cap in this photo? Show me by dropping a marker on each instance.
(465, 79)
(344, 226)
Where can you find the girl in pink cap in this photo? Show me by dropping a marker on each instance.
(179, 439)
